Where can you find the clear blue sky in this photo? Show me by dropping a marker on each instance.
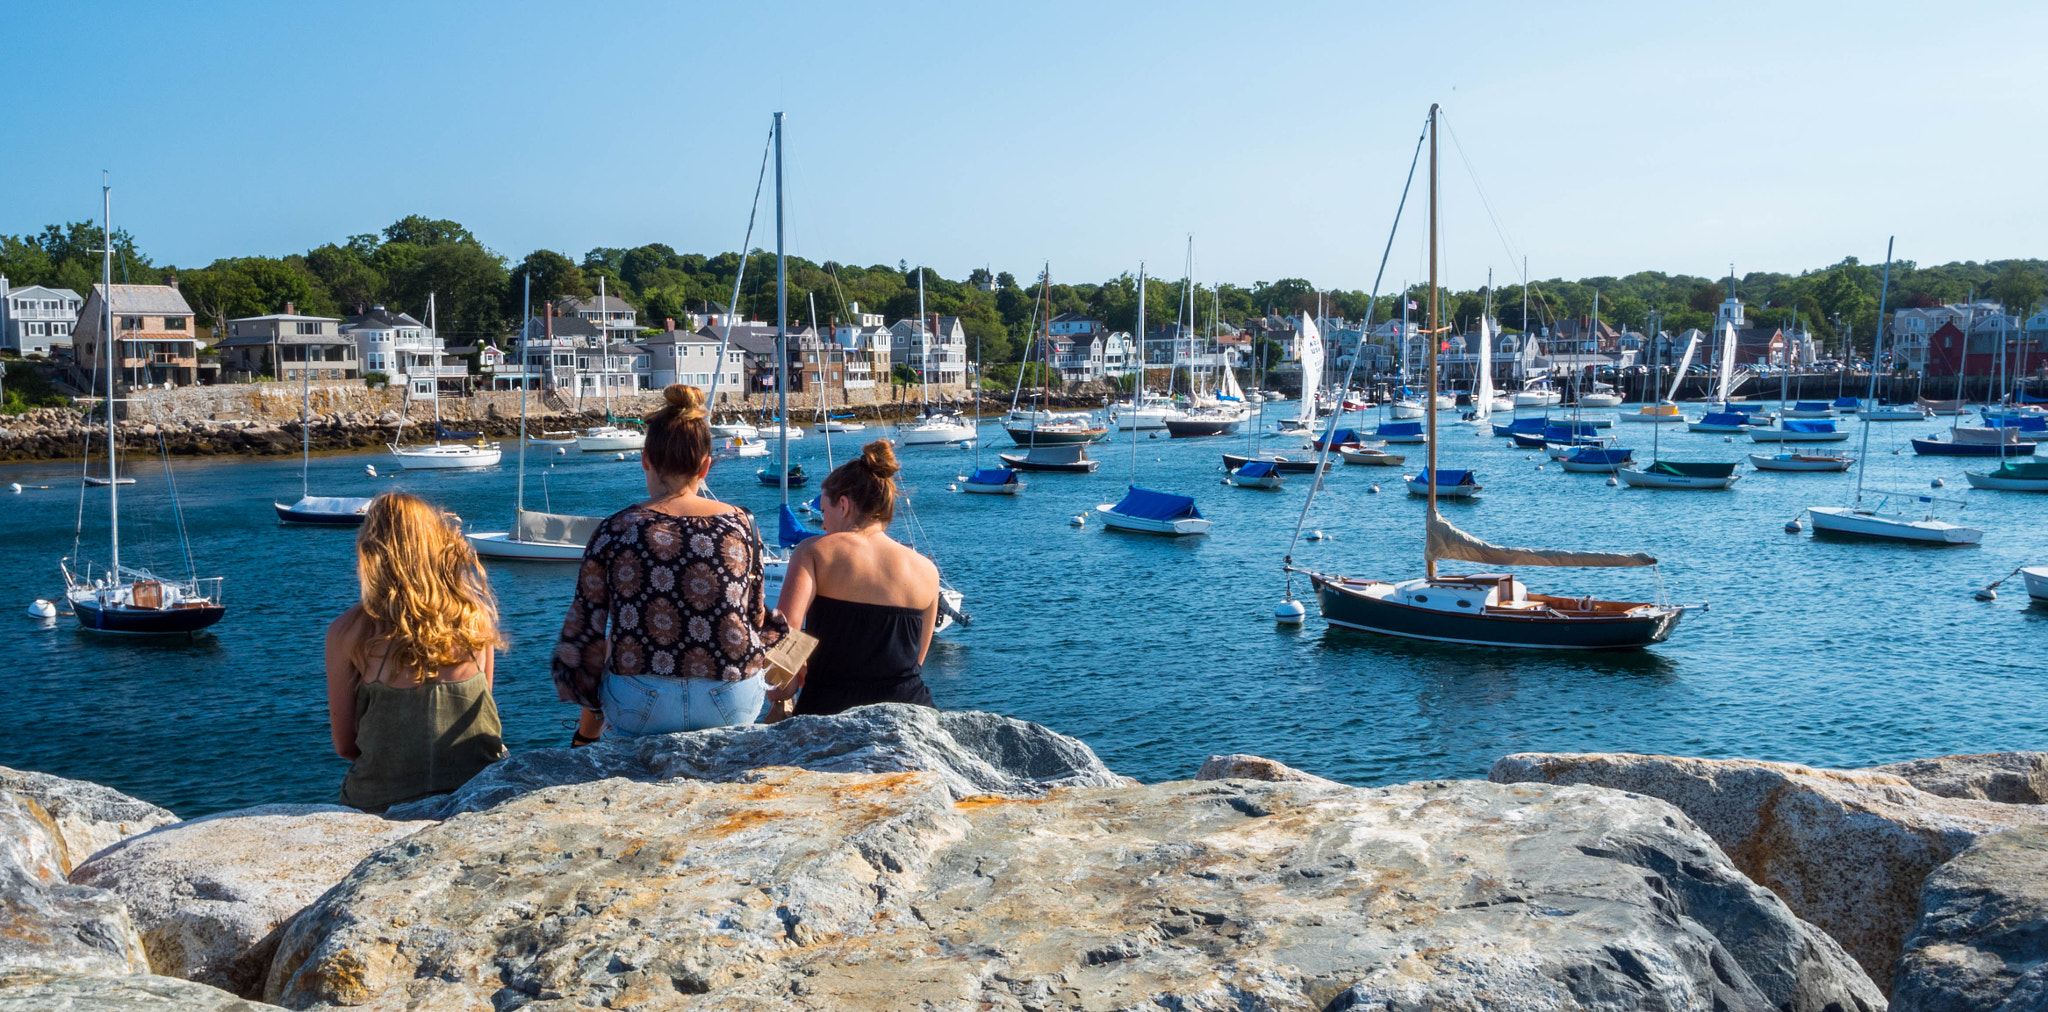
(1608, 137)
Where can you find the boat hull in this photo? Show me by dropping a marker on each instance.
(1781, 436)
(1284, 466)
(501, 545)
(1868, 524)
(1056, 437)
(1445, 491)
(146, 621)
(1187, 428)
(1646, 479)
(1580, 467)
(936, 436)
(417, 460)
(1791, 462)
(1942, 448)
(2037, 582)
(1143, 525)
(286, 514)
(1405, 410)
(1006, 488)
(1272, 482)
(1346, 606)
(1373, 458)
(1992, 481)
(1023, 463)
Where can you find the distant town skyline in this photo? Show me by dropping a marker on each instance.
(1606, 139)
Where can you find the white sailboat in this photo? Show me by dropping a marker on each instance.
(439, 455)
(611, 437)
(1874, 522)
(539, 537)
(1143, 510)
(316, 510)
(124, 599)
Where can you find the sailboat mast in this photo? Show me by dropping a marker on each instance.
(108, 345)
(434, 326)
(1878, 342)
(1139, 387)
(305, 430)
(782, 316)
(924, 341)
(1429, 350)
(604, 350)
(525, 328)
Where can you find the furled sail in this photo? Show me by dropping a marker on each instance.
(1482, 392)
(1448, 542)
(556, 528)
(1683, 363)
(1311, 350)
(1727, 378)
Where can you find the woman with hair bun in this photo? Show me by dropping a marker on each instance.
(669, 629)
(870, 601)
(409, 667)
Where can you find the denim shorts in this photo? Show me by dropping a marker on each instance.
(636, 705)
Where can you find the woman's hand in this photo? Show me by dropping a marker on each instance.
(789, 689)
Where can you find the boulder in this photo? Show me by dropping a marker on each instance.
(48, 925)
(209, 895)
(2012, 778)
(89, 817)
(1238, 766)
(1847, 849)
(791, 889)
(1982, 940)
(78, 992)
(973, 753)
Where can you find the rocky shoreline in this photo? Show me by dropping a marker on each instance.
(901, 858)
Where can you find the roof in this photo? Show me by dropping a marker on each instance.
(1072, 317)
(285, 316)
(379, 318)
(607, 303)
(66, 292)
(159, 300)
(265, 340)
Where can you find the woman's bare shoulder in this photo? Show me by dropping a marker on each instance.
(349, 624)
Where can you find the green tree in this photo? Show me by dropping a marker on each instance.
(2017, 288)
(247, 286)
(419, 230)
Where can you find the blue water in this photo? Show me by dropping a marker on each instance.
(1156, 652)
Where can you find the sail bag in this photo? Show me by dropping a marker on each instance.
(1448, 542)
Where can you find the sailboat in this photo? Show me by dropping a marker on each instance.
(1873, 522)
(937, 427)
(1144, 510)
(610, 437)
(124, 599)
(999, 480)
(316, 510)
(1221, 413)
(1487, 608)
(1671, 474)
(540, 537)
(440, 455)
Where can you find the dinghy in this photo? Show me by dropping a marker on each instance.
(1702, 475)
(1809, 409)
(1148, 512)
(1454, 484)
(2012, 476)
(1720, 421)
(1233, 461)
(992, 481)
(1799, 430)
(1797, 461)
(538, 537)
(1371, 456)
(1071, 458)
(1872, 523)
(323, 510)
(1398, 432)
(1596, 460)
(1257, 474)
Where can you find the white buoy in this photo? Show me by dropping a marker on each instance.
(1289, 612)
(370, 469)
(1936, 483)
(1792, 526)
(14, 487)
(1611, 482)
(1079, 520)
(561, 451)
(1315, 535)
(1539, 467)
(1987, 594)
(620, 457)
(950, 487)
(40, 608)
(1530, 457)
(1727, 439)
(1374, 490)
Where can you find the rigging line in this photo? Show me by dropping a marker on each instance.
(177, 506)
(732, 308)
(1324, 461)
(1506, 246)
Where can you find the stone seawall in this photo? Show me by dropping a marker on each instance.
(264, 418)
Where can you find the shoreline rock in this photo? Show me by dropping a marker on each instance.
(1982, 940)
(48, 925)
(2009, 778)
(81, 992)
(86, 816)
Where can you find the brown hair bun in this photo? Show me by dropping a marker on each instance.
(688, 401)
(679, 435)
(880, 458)
(869, 481)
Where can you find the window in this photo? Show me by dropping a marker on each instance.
(35, 329)
(309, 327)
(60, 329)
(174, 323)
(131, 323)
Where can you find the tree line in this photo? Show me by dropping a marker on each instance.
(478, 290)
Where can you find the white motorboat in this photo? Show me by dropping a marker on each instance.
(1446, 402)
(1796, 461)
(538, 537)
(1869, 523)
(1703, 476)
(775, 430)
(736, 428)
(838, 425)
(938, 429)
(1406, 409)
(1147, 512)
(610, 439)
(1603, 396)
(1501, 402)
(1538, 395)
(2037, 581)
(1371, 456)
(734, 446)
(323, 511)
(1150, 414)
(446, 456)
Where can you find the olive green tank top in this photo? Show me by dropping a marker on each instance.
(420, 741)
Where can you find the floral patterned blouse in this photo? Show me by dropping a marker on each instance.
(663, 595)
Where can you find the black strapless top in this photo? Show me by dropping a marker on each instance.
(867, 653)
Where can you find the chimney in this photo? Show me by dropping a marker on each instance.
(169, 279)
(671, 321)
(290, 310)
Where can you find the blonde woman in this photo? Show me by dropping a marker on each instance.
(409, 667)
(670, 628)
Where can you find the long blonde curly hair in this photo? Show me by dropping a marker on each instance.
(423, 586)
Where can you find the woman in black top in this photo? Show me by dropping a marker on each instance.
(869, 600)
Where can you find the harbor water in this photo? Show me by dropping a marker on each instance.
(1157, 652)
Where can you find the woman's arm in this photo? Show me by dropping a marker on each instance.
(490, 667)
(341, 683)
(584, 648)
(931, 623)
(799, 585)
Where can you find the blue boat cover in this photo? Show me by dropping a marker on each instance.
(1574, 428)
(1401, 429)
(444, 432)
(1810, 406)
(1724, 418)
(1444, 477)
(1528, 424)
(2027, 398)
(1847, 402)
(991, 476)
(2024, 423)
(792, 532)
(1146, 504)
(1600, 455)
(1257, 469)
(1342, 436)
(1809, 425)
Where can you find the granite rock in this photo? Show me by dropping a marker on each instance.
(1238, 766)
(209, 895)
(791, 889)
(1982, 941)
(48, 925)
(88, 816)
(2012, 778)
(1847, 849)
(973, 753)
(79, 992)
